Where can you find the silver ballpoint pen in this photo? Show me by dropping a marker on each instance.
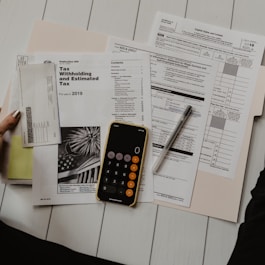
(172, 138)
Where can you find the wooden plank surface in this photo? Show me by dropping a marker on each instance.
(81, 234)
(174, 239)
(215, 12)
(218, 251)
(16, 21)
(218, 13)
(68, 12)
(179, 237)
(249, 16)
(77, 226)
(147, 11)
(115, 17)
(149, 234)
(127, 233)
(123, 225)
(17, 211)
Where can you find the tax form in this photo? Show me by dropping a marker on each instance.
(93, 91)
(176, 81)
(238, 56)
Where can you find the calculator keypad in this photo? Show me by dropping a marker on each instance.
(120, 174)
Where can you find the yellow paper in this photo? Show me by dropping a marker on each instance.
(20, 160)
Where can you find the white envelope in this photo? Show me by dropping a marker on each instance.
(39, 105)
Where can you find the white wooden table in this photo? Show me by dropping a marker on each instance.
(150, 234)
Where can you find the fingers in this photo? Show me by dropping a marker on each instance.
(9, 122)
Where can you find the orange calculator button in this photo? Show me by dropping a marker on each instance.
(130, 184)
(129, 193)
(132, 176)
(135, 159)
(133, 167)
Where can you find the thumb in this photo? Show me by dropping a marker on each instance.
(9, 122)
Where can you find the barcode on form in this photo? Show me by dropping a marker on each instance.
(29, 125)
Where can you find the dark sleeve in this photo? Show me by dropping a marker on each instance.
(250, 244)
(17, 247)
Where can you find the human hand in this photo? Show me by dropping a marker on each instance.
(8, 123)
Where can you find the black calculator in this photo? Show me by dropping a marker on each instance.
(121, 169)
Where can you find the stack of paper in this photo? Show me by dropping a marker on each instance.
(213, 69)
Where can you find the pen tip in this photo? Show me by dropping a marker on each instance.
(188, 110)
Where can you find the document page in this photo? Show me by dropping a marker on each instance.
(238, 56)
(93, 90)
(176, 81)
(39, 105)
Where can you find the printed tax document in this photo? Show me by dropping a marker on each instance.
(176, 81)
(238, 56)
(93, 90)
(38, 105)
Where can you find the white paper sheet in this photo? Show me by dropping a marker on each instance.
(93, 90)
(239, 57)
(177, 81)
(38, 105)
